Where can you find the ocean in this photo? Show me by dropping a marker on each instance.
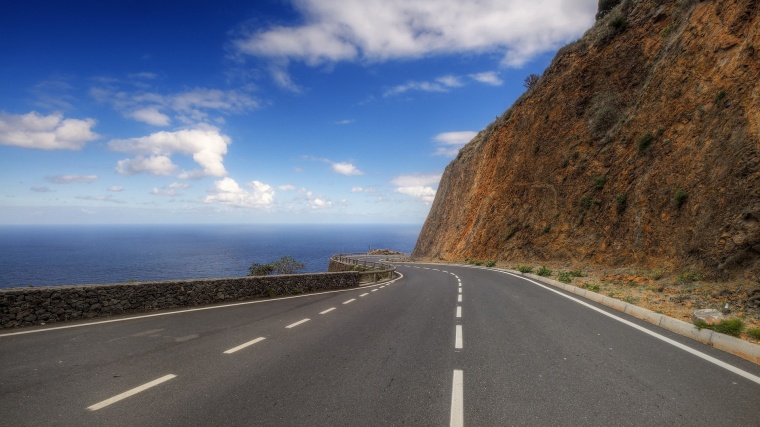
(72, 255)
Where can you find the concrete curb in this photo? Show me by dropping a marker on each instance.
(727, 343)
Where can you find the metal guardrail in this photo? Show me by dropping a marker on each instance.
(377, 271)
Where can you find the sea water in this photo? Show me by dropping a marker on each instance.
(69, 255)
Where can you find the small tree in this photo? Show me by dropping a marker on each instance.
(284, 265)
(531, 81)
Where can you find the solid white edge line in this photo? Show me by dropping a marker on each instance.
(297, 323)
(129, 393)
(459, 311)
(349, 301)
(457, 399)
(677, 344)
(327, 311)
(189, 310)
(458, 339)
(242, 346)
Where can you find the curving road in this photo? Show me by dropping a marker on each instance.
(445, 345)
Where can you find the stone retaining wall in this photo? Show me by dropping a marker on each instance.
(33, 306)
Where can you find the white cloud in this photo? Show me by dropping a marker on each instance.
(416, 180)
(115, 189)
(51, 132)
(108, 198)
(154, 165)
(382, 30)
(344, 168)
(151, 116)
(419, 186)
(451, 142)
(205, 143)
(320, 203)
(191, 106)
(363, 189)
(42, 190)
(70, 179)
(441, 84)
(287, 187)
(228, 192)
(488, 77)
(170, 190)
(426, 194)
(345, 122)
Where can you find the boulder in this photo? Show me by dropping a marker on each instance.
(708, 315)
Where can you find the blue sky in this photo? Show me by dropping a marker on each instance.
(267, 111)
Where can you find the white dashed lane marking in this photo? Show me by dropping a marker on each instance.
(350, 301)
(131, 392)
(242, 346)
(292, 325)
(327, 311)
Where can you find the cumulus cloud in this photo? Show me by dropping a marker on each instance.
(345, 168)
(320, 203)
(170, 190)
(419, 186)
(51, 132)
(382, 30)
(190, 106)
(228, 192)
(115, 189)
(441, 84)
(70, 179)
(287, 187)
(488, 77)
(451, 142)
(206, 144)
(151, 116)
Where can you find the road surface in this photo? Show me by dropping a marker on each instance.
(443, 346)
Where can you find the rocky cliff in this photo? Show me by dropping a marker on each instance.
(638, 146)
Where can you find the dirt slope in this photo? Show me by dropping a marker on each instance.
(639, 146)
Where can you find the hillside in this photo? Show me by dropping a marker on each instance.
(638, 146)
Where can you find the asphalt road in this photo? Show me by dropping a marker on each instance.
(445, 345)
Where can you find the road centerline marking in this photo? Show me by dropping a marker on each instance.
(292, 325)
(374, 290)
(457, 399)
(242, 346)
(364, 295)
(459, 311)
(327, 311)
(350, 301)
(128, 393)
(459, 299)
(458, 339)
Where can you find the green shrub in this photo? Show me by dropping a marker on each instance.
(680, 198)
(621, 202)
(731, 327)
(587, 202)
(490, 263)
(590, 287)
(688, 277)
(645, 142)
(543, 271)
(564, 276)
(523, 268)
(284, 265)
(576, 273)
(600, 181)
(754, 333)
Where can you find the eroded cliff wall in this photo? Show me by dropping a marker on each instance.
(639, 145)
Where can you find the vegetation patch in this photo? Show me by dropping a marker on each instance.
(284, 265)
(524, 268)
(645, 142)
(544, 272)
(621, 202)
(600, 181)
(754, 333)
(680, 198)
(490, 263)
(590, 287)
(731, 327)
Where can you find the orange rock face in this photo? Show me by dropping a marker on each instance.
(640, 145)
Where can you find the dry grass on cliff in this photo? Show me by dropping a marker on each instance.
(674, 294)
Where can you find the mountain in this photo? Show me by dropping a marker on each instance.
(638, 146)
